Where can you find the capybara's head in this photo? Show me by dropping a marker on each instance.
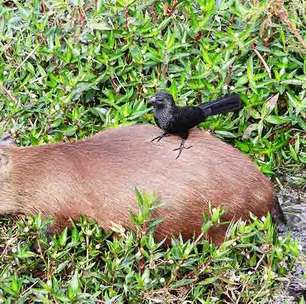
(8, 203)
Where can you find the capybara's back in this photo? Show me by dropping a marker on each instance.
(97, 177)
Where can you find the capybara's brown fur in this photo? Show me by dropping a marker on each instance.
(97, 178)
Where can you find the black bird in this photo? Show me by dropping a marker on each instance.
(178, 120)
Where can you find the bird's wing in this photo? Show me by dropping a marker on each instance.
(188, 117)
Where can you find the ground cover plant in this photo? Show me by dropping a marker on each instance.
(71, 69)
(84, 265)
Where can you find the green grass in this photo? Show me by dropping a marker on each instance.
(84, 265)
(71, 69)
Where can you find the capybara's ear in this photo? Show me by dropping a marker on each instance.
(7, 139)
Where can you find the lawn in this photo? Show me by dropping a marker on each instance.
(69, 69)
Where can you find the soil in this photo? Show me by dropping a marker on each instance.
(292, 198)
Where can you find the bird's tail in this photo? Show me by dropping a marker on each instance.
(224, 104)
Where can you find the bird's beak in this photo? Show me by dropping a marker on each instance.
(152, 101)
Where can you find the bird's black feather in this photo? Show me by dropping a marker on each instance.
(178, 120)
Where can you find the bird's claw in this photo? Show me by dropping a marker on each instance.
(158, 138)
(180, 149)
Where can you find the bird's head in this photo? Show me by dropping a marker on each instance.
(161, 100)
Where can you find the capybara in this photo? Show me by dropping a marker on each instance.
(97, 178)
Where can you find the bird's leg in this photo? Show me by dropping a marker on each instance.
(182, 145)
(158, 138)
